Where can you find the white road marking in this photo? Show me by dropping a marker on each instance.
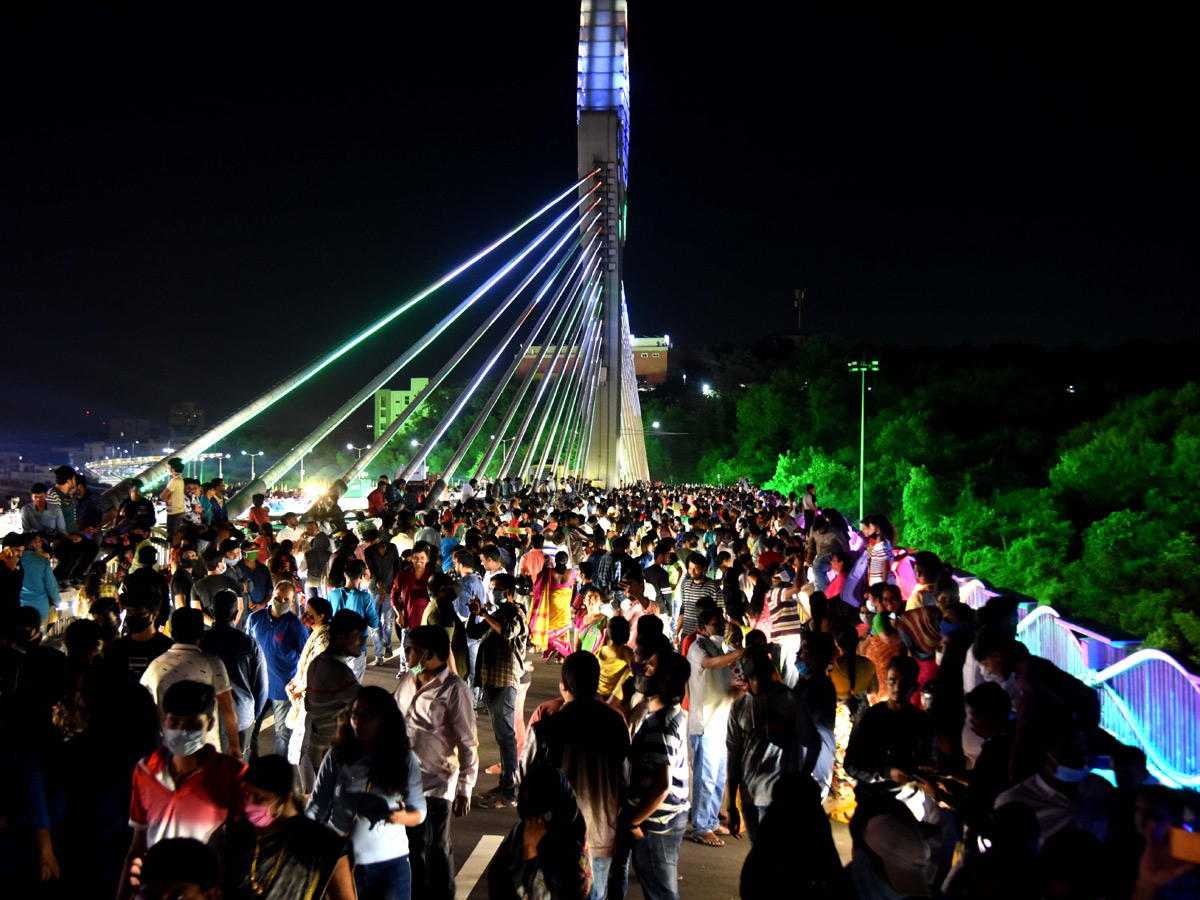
(472, 870)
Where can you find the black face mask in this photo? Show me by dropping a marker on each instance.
(136, 624)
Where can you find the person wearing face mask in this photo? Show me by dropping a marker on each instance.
(1065, 793)
(276, 852)
(129, 656)
(185, 789)
(438, 710)
(185, 661)
(281, 635)
(330, 688)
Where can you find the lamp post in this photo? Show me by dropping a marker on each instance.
(221, 457)
(252, 455)
(358, 449)
(862, 367)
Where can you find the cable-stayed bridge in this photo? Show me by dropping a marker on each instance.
(576, 411)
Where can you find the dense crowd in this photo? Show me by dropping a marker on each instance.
(732, 664)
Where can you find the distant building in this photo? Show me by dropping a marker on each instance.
(389, 404)
(650, 358)
(126, 431)
(526, 364)
(185, 419)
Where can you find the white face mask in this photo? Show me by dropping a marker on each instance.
(871, 606)
(1070, 776)
(182, 741)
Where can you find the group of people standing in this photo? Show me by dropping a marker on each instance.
(730, 661)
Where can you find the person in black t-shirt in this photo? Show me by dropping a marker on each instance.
(146, 578)
(184, 577)
(131, 655)
(137, 510)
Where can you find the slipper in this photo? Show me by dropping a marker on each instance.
(708, 840)
(721, 829)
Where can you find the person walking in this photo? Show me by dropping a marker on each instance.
(504, 633)
(438, 711)
(369, 789)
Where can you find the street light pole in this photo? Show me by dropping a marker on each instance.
(252, 455)
(358, 449)
(862, 367)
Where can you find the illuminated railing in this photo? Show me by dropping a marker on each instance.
(1147, 699)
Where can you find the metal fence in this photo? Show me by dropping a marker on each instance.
(1147, 698)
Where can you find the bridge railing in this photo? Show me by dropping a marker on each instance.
(1147, 698)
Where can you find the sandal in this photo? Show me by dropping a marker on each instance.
(721, 829)
(708, 839)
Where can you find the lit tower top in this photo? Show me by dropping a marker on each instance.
(602, 82)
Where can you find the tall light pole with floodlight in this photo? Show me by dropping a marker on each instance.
(862, 367)
(252, 455)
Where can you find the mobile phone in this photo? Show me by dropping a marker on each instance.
(1185, 843)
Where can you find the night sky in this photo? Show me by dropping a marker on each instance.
(196, 202)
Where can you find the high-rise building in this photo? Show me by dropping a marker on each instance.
(389, 404)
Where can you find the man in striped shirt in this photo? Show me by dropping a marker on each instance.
(654, 812)
(696, 587)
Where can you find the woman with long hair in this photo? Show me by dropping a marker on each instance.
(316, 617)
(276, 853)
(880, 535)
(369, 789)
(283, 563)
(560, 588)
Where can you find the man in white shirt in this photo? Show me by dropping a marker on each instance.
(709, 699)
(290, 530)
(187, 662)
(438, 709)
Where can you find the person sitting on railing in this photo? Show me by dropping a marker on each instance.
(929, 570)
(1064, 793)
(1048, 703)
(920, 634)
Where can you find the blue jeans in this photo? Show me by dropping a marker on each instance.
(502, 707)
(656, 860)
(381, 637)
(472, 655)
(601, 866)
(821, 568)
(708, 780)
(387, 880)
(279, 709)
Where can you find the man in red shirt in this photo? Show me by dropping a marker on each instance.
(186, 788)
(377, 499)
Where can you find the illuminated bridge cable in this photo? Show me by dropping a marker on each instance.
(581, 328)
(575, 426)
(157, 471)
(584, 321)
(579, 292)
(452, 466)
(552, 404)
(440, 430)
(381, 440)
(581, 276)
(577, 311)
(242, 501)
(578, 273)
(572, 390)
(589, 430)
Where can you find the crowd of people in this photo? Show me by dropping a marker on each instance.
(733, 665)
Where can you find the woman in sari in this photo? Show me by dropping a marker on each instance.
(559, 589)
(594, 624)
(317, 614)
(533, 565)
